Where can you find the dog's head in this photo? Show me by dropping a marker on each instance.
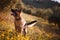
(16, 12)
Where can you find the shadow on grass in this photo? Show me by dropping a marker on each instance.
(49, 28)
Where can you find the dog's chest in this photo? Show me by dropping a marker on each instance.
(20, 23)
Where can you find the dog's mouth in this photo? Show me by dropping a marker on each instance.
(14, 14)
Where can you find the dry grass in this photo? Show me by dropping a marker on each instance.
(38, 32)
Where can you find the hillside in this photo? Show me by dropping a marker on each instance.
(41, 30)
(32, 10)
(41, 4)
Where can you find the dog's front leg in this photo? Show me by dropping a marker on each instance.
(23, 31)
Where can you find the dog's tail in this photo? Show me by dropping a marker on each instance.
(30, 24)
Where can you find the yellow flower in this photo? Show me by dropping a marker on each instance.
(7, 38)
(2, 35)
(12, 38)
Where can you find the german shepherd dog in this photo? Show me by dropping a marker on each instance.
(20, 23)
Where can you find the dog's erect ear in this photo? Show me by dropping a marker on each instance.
(12, 10)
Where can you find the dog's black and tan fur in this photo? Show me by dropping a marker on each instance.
(20, 24)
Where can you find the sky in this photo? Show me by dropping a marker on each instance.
(57, 1)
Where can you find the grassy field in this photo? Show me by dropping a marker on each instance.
(41, 31)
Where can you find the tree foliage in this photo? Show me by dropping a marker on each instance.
(6, 4)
